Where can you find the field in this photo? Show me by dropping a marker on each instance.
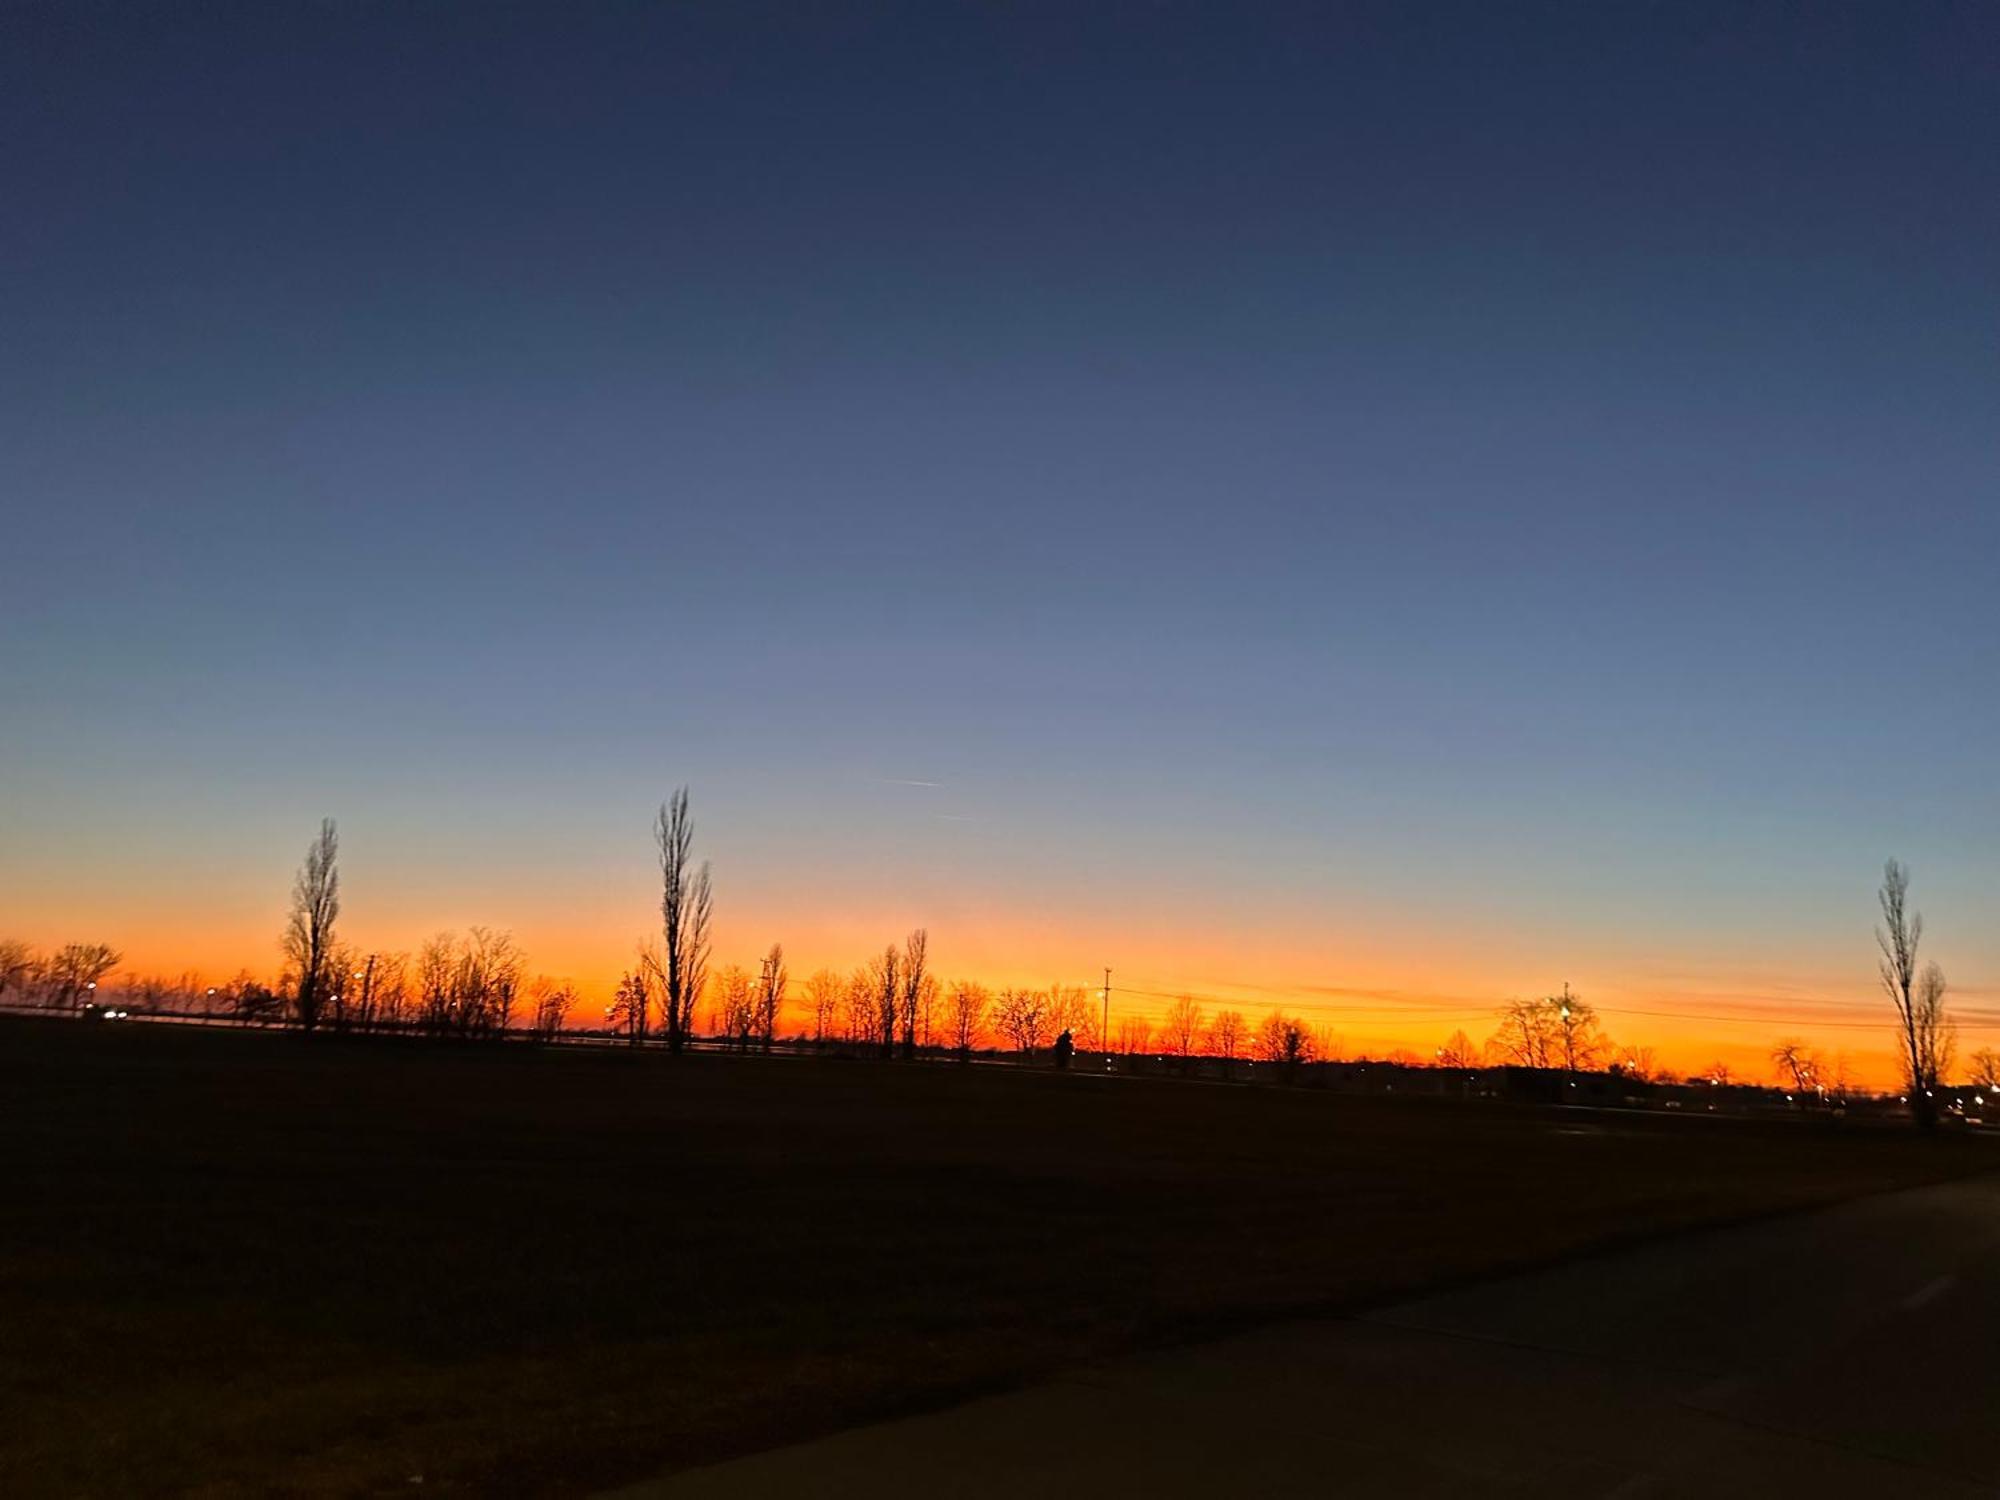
(244, 1263)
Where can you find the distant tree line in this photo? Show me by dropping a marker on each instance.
(61, 980)
(476, 985)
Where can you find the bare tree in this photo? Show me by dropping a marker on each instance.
(864, 1008)
(1135, 1035)
(1226, 1036)
(553, 1000)
(1798, 1067)
(824, 991)
(488, 982)
(1181, 1030)
(338, 1006)
(927, 1011)
(1527, 1036)
(1583, 1043)
(73, 972)
(371, 993)
(387, 985)
(257, 1004)
(1072, 1009)
(436, 963)
(1986, 1068)
(886, 974)
(1286, 1041)
(1086, 1025)
(1555, 1031)
(735, 1019)
(1937, 1029)
(1458, 1052)
(965, 1017)
(915, 947)
(631, 1001)
(1024, 1018)
(770, 995)
(686, 910)
(470, 986)
(309, 929)
(18, 970)
(1924, 1032)
(149, 994)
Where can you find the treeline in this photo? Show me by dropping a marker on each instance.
(477, 985)
(62, 980)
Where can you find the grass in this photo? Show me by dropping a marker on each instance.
(249, 1264)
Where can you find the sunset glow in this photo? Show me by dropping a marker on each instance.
(1352, 584)
(1387, 985)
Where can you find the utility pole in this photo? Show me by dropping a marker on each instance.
(1104, 1034)
(767, 978)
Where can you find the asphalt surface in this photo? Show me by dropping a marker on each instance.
(1851, 1351)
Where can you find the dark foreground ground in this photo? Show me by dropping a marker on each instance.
(1826, 1353)
(238, 1263)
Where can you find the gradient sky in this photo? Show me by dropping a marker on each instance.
(1378, 509)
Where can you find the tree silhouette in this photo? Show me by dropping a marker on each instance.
(686, 911)
(885, 975)
(73, 972)
(553, 1000)
(1799, 1067)
(864, 1009)
(824, 991)
(965, 1017)
(770, 996)
(735, 1017)
(308, 940)
(1923, 1030)
(910, 1000)
(631, 1001)
(1527, 1035)
(1226, 1037)
(18, 969)
(1024, 1018)
(1458, 1052)
(1073, 1009)
(1555, 1031)
(1181, 1029)
(1286, 1042)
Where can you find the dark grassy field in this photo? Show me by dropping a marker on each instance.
(238, 1263)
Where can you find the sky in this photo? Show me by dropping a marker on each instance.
(1377, 510)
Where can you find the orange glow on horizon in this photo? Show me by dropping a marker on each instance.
(1379, 1007)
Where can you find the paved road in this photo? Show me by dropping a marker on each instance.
(1847, 1352)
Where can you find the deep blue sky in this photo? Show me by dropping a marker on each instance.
(1490, 469)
